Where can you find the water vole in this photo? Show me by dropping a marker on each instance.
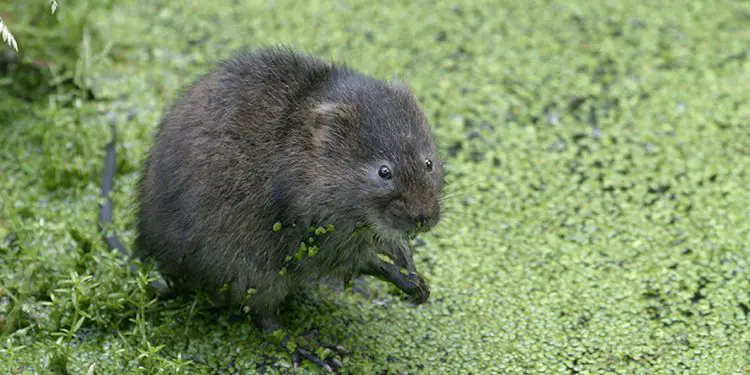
(276, 169)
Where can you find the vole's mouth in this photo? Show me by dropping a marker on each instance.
(406, 227)
(396, 222)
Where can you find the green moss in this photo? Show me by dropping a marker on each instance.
(597, 220)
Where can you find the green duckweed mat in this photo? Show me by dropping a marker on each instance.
(598, 219)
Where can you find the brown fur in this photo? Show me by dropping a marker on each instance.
(276, 136)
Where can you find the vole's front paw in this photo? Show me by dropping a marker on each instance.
(418, 290)
(410, 282)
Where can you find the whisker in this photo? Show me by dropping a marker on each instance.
(453, 216)
(450, 197)
(453, 209)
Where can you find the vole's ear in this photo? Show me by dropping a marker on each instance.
(332, 111)
(333, 123)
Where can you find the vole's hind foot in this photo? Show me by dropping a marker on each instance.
(325, 356)
(304, 353)
(271, 325)
(314, 334)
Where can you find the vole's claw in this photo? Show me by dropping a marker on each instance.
(336, 348)
(336, 363)
(314, 359)
(332, 365)
(420, 292)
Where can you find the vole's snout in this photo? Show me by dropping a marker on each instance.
(412, 216)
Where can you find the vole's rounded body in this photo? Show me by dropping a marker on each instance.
(273, 136)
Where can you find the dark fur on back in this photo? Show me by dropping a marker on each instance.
(272, 136)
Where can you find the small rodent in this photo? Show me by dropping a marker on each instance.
(276, 169)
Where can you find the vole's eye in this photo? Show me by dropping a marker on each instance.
(384, 172)
(428, 164)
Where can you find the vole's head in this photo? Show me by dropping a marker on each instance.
(390, 173)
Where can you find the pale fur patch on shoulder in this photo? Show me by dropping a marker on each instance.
(337, 112)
